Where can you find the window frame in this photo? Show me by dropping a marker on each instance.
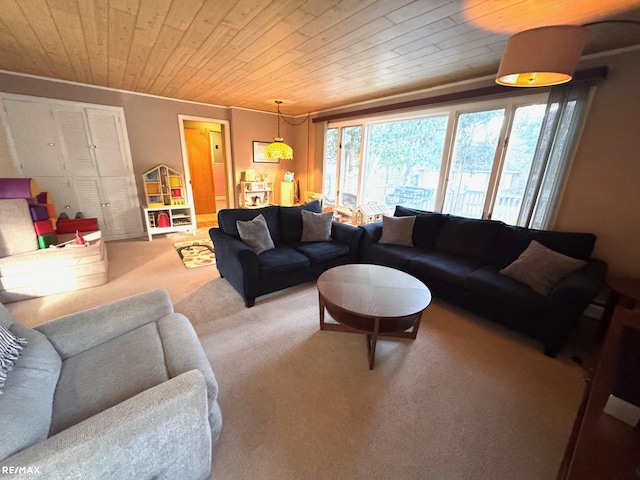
(452, 111)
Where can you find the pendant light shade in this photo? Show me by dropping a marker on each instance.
(278, 149)
(542, 56)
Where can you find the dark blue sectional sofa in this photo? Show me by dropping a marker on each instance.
(459, 260)
(291, 262)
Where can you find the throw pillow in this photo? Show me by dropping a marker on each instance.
(10, 350)
(397, 230)
(316, 227)
(541, 268)
(255, 234)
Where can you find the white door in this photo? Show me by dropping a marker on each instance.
(76, 145)
(108, 143)
(35, 138)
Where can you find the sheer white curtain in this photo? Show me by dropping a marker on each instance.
(565, 113)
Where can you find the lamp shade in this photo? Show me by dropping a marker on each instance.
(278, 149)
(542, 56)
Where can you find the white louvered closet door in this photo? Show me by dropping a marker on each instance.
(34, 138)
(79, 153)
(108, 144)
(87, 193)
(76, 145)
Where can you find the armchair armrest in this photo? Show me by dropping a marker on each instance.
(162, 432)
(349, 235)
(81, 331)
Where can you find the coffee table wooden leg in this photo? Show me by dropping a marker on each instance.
(321, 305)
(372, 340)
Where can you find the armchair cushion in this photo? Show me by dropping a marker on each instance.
(26, 403)
(103, 376)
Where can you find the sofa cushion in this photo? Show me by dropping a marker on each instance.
(398, 230)
(395, 256)
(316, 227)
(573, 244)
(227, 220)
(281, 259)
(319, 252)
(466, 236)
(488, 282)
(426, 228)
(444, 266)
(18, 235)
(108, 374)
(511, 241)
(255, 234)
(541, 268)
(290, 220)
(27, 401)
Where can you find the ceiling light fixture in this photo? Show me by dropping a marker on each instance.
(278, 149)
(545, 56)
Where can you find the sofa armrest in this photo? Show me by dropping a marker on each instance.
(162, 432)
(567, 301)
(349, 235)
(81, 331)
(232, 253)
(371, 233)
(581, 286)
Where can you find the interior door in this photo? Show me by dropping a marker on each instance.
(200, 167)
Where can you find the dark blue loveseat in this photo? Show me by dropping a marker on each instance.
(290, 263)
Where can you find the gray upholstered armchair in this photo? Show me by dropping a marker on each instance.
(123, 390)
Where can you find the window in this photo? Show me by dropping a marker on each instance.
(480, 160)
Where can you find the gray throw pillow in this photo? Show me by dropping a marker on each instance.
(316, 227)
(397, 230)
(255, 234)
(10, 350)
(541, 268)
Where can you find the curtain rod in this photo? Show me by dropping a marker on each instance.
(587, 75)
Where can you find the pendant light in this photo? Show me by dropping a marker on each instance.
(542, 56)
(278, 149)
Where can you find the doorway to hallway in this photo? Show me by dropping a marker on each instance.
(207, 165)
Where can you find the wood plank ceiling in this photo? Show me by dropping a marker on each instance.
(312, 54)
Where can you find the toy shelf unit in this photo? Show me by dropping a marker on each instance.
(169, 219)
(255, 194)
(164, 186)
(167, 209)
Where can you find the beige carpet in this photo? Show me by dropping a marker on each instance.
(465, 400)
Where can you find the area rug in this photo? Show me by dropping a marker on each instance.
(196, 253)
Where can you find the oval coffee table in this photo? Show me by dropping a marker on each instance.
(374, 300)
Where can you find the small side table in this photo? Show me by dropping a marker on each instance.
(625, 291)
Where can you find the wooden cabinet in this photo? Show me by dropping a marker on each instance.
(80, 154)
(255, 194)
(168, 219)
(287, 193)
(601, 446)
